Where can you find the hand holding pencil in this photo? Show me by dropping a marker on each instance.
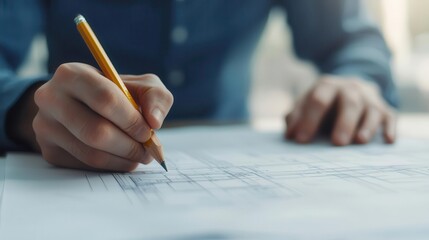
(152, 144)
(86, 121)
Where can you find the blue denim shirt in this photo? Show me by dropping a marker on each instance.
(201, 49)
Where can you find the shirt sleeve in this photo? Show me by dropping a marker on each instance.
(340, 38)
(20, 21)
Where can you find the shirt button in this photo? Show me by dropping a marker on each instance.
(179, 35)
(176, 78)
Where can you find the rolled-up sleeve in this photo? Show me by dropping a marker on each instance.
(340, 38)
(20, 21)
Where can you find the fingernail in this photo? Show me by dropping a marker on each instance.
(302, 137)
(157, 114)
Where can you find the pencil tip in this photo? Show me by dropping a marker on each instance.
(164, 166)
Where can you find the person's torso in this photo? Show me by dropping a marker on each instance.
(201, 49)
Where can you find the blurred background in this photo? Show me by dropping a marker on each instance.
(278, 77)
(406, 28)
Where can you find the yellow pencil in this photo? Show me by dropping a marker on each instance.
(153, 145)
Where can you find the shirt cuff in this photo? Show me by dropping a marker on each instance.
(384, 83)
(371, 64)
(10, 93)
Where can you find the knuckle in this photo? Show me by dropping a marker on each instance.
(353, 103)
(105, 100)
(327, 81)
(68, 73)
(349, 99)
(157, 92)
(64, 71)
(315, 99)
(373, 111)
(40, 127)
(376, 105)
(95, 135)
(134, 124)
(355, 84)
(151, 77)
(64, 68)
(42, 96)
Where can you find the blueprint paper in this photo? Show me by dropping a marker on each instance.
(2, 179)
(229, 182)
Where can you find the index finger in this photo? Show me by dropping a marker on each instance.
(317, 104)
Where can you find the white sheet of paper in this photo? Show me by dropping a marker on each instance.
(2, 179)
(228, 182)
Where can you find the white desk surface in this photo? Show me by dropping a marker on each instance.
(48, 203)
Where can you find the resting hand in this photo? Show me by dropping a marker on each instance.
(358, 110)
(85, 121)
